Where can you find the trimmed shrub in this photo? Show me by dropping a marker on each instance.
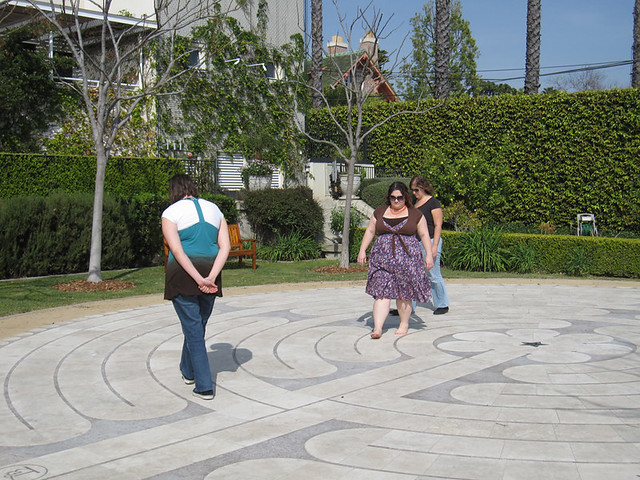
(52, 235)
(39, 174)
(276, 213)
(602, 256)
(523, 259)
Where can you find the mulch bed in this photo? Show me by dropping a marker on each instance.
(84, 286)
(110, 285)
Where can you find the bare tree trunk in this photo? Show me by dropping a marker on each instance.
(443, 49)
(635, 71)
(316, 53)
(95, 251)
(532, 68)
(346, 227)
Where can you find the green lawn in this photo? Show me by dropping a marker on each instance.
(18, 296)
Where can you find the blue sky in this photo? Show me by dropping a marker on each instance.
(574, 32)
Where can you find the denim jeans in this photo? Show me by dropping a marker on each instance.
(194, 312)
(438, 290)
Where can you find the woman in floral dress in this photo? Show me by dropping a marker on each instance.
(396, 263)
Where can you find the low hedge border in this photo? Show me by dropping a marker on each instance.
(600, 256)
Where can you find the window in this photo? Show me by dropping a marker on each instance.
(194, 59)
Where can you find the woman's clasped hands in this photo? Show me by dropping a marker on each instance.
(207, 286)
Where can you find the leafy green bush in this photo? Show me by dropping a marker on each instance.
(226, 204)
(143, 225)
(479, 250)
(522, 259)
(292, 247)
(275, 213)
(460, 218)
(337, 219)
(579, 262)
(354, 244)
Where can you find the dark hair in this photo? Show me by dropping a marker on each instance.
(181, 186)
(403, 189)
(421, 182)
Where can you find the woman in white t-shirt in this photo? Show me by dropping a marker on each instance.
(196, 232)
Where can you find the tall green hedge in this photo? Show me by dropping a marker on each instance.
(39, 174)
(52, 235)
(516, 158)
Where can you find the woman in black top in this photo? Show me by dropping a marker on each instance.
(432, 210)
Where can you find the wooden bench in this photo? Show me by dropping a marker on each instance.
(237, 249)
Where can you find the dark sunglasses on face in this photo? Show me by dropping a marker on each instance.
(415, 190)
(399, 198)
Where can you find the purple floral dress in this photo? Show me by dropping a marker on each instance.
(396, 264)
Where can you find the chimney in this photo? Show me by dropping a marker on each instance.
(369, 45)
(336, 45)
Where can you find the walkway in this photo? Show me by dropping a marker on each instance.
(518, 381)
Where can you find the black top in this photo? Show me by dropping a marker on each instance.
(430, 204)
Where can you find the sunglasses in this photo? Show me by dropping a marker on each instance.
(399, 198)
(415, 190)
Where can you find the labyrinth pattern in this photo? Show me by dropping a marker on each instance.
(518, 381)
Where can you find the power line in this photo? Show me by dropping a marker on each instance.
(584, 65)
(586, 68)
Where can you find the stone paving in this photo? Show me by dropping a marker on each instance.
(518, 381)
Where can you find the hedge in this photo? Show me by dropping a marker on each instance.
(52, 235)
(600, 256)
(515, 158)
(39, 174)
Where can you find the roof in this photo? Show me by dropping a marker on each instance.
(16, 13)
(19, 12)
(341, 64)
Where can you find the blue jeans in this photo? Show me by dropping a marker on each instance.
(194, 312)
(438, 290)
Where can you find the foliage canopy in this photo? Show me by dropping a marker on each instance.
(29, 98)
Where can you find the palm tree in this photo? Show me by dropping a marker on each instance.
(316, 53)
(635, 71)
(532, 68)
(443, 49)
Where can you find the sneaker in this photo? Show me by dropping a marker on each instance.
(188, 381)
(394, 311)
(206, 395)
(441, 310)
